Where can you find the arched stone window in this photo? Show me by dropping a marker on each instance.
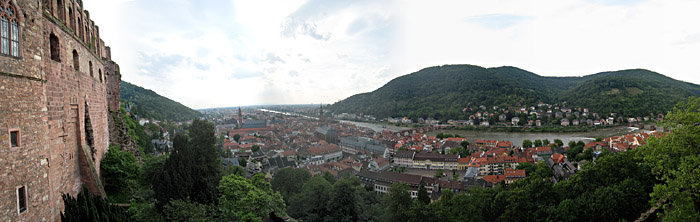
(9, 29)
(61, 9)
(79, 32)
(76, 60)
(55, 47)
(99, 71)
(90, 65)
(71, 20)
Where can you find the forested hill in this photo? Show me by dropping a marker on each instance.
(148, 104)
(443, 91)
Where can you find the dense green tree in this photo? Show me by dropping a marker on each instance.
(243, 162)
(88, 207)
(528, 167)
(310, 203)
(119, 169)
(289, 181)
(192, 170)
(438, 173)
(237, 137)
(423, 195)
(398, 204)
(237, 170)
(464, 144)
(559, 142)
(241, 200)
(675, 160)
(255, 148)
(185, 210)
(527, 143)
(206, 162)
(538, 143)
(344, 203)
(545, 142)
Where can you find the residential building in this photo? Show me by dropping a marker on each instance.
(329, 152)
(513, 175)
(404, 158)
(427, 160)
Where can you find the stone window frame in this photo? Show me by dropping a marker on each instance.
(17, 19)
(21, 211)
(19, 137)
(55, 50)
(76, 60)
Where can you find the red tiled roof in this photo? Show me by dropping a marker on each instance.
(457, 139)
(494, 178)
(558, 158)
(544, 149)
(504, 144)
(323, 149)
(514, 173)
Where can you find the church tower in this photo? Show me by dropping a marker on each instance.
(320, 117)
(240, 117)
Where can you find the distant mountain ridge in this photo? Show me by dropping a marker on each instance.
(148, 104)
(443, 91)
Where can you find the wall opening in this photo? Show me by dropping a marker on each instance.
(89, 137)
(21, 199)
(14, 138)
(99, 71)
(76, 60)
(90, 66)
(55, 48)
(61, 9)
(79, 32)
(71, 20)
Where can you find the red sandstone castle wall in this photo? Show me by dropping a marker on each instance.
(47, 100)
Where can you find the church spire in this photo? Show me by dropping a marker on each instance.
(320, 117)
(240, 117)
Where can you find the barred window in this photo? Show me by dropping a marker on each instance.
(9, 29)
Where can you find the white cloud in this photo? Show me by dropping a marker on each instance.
(228, 53)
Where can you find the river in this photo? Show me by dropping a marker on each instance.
(515, 137)
(518, 137)
(377, 127)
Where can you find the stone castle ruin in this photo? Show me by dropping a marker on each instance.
(58, 86)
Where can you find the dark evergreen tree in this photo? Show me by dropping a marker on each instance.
(423, 195)
(289, 181)
(87, 207)
(192, 171)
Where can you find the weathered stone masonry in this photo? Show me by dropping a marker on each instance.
(56, 95)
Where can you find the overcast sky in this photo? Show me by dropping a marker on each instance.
(211, 53)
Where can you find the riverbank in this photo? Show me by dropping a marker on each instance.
(518, 137)
(543, 129)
